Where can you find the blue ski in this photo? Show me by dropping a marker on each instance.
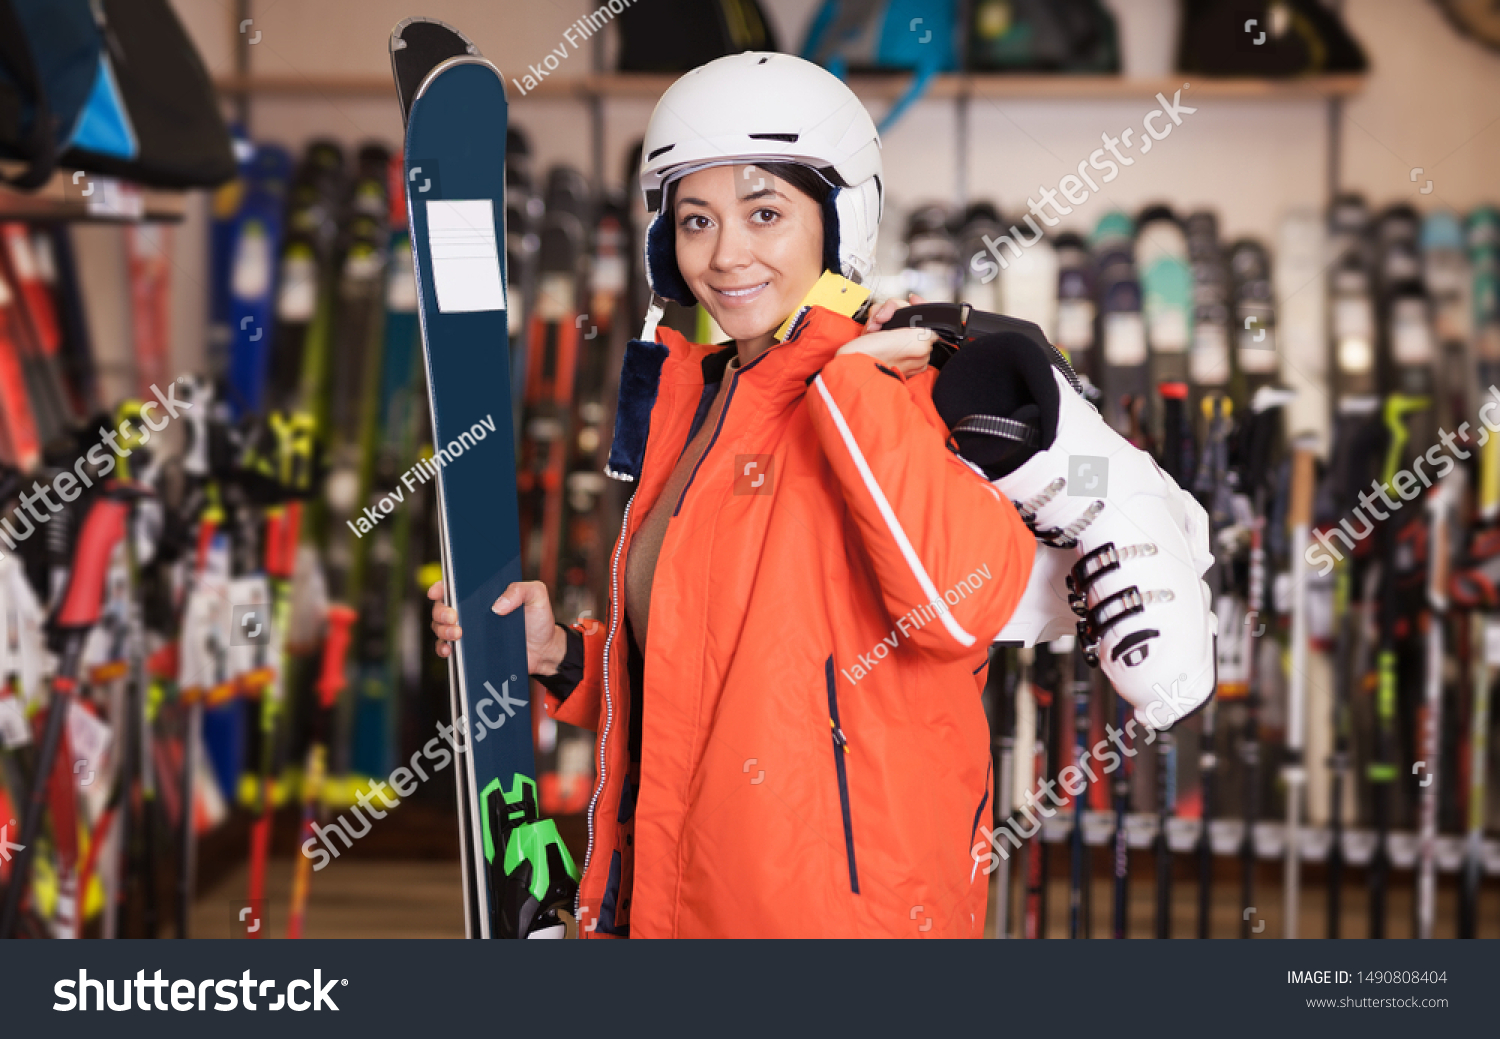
(518, 877)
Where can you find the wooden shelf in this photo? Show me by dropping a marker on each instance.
(308, 86)
(111, 200)
(650, 86)
(1108, 88)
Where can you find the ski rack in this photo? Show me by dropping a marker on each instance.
(1269, 840)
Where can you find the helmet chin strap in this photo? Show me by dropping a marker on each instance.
(654, 314)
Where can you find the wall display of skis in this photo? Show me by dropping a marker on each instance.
(1353, 506)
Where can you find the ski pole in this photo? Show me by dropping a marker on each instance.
(139, 706)
(187, 865)
(1210, 486)
(282, 528)
(1121, 842)
(102, 530)
(1023, 760)
(1250, 731)
(1035, 921)
(1260, 435)
(1208, 767)
(1082, 867)
(1006, 741)
(1166, 803)
(1382, 770)
(1481, 674)
(1440, 507)
(331, 682)
(289, 469)
(1293, 770)
(204, 500)
(1175, 458)
(1338, 761)
(1479, 722)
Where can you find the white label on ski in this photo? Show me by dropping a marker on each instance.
(555, 297)
(1411, 339)
(20, 253)
(1124, 339)
(401, 283)
(362, 265)
(1352, 318)
(1208, 363)
(1258, 355)
(14, 732)
(46, 263)
(1492, 643)
(251, 276)
(611, 274)
(1075, 324)
(89, 740)
(1356, 355)
(1169, 330)
(1281, 592)
(148, 242)
(465, 260)
(298, 298)
(1319, 607)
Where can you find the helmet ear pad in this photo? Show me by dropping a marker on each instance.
(661, 260)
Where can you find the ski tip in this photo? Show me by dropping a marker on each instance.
(419, 45)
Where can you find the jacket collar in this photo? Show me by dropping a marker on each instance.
(778, 376)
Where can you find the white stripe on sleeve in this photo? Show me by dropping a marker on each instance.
(963, 638)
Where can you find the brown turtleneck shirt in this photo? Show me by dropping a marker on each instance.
(645, 546)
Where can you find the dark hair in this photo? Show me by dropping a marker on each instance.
(815, 184)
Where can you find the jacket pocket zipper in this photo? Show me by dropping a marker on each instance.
(840, 752)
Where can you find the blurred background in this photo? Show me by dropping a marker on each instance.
(224, 208)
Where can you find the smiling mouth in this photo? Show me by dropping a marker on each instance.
(741, 294)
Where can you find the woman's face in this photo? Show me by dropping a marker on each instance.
(749, 245)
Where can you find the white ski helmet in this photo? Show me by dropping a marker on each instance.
(760, 107)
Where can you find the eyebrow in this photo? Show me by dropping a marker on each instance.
(762, 193)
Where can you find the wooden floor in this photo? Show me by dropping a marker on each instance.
(385, 897)
(350, 898)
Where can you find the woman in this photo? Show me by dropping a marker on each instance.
(807, 579)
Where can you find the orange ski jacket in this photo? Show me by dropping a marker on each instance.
(812, 755)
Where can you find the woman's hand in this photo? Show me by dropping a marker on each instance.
(546, 643)
(904, 349)
(881, 314)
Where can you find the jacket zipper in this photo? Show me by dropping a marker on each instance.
(840, 751)
(609, 705)
(614, 622)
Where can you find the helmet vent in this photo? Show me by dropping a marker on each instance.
(789, 138)
(660, 151)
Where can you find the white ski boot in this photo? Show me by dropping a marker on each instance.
(1139, 544)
